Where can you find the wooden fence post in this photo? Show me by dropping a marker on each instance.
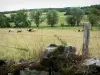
(86, 38)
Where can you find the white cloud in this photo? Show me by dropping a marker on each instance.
(6, 5)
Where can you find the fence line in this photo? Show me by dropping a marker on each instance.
(21, 48)
(41, 35)
(11, 47)
(45, 35)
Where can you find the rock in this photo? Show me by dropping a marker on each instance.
(64, 51)
(49, 50)
(2, 62)
(92, 61)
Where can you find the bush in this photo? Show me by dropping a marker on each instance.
(62, 24)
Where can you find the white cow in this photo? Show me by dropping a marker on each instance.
(11, 30)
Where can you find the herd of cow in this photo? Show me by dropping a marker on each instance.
(19, 31)
(33, 30)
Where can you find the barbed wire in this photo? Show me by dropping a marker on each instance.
(44, 35)
(13, 47)
(30, 33)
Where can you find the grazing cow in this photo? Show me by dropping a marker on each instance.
(80, 30)
(31, 30)
(18, 31)
(11, 30)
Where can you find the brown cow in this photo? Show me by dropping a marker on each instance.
(31, 30)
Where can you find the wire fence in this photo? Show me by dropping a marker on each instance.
(39, 41)
(44, 35)
(34, 43)
(38, 35)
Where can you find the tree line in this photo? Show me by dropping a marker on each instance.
(21, 19)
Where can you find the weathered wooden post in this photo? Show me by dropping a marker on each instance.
(86, 38)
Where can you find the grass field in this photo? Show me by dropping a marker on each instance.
(26, 45)
(30, 45)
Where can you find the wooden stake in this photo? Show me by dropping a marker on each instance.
(86, 40)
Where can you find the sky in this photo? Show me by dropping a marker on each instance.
(9, 5)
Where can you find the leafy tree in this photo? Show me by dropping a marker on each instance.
(77, 14)
(70, 20)
(4, 22)
(52, 17)
(68, 11)
(37, 17)
(93, 19)
(94, 11)
(12, 17)
(20, 19)
(95, 6)
(94, 16)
